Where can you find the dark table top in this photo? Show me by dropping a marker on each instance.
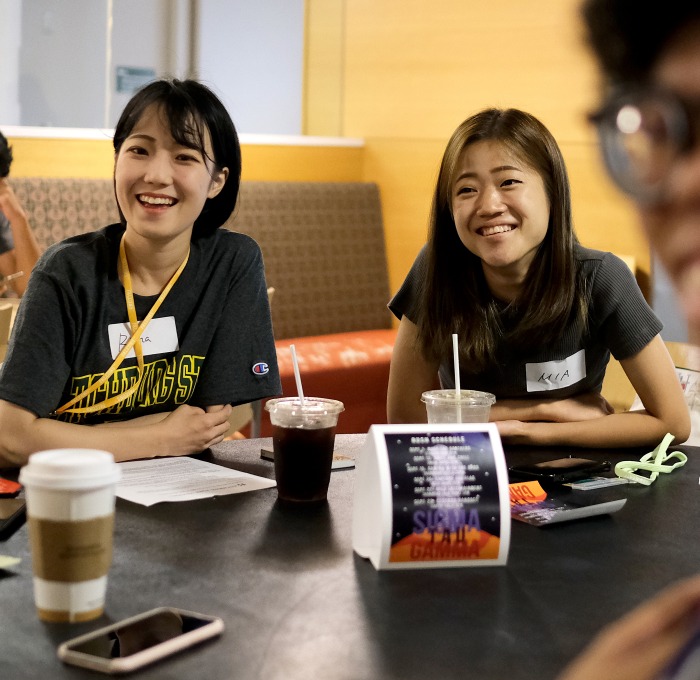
(298, 603)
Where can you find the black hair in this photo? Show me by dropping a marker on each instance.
(628, 38)
(5, 157)
(191, 109)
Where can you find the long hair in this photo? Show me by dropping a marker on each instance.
(5, 156)
(454, 296)
(191, 109)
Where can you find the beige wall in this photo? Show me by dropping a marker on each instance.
(412, 70)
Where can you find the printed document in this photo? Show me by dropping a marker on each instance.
(159, 480)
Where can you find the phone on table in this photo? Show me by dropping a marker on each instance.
(13, 514)
(135, 642)
(560, 470)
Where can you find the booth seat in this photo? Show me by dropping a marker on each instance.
(351, 367)
(324, 252)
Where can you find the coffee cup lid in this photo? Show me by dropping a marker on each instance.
(70, 469)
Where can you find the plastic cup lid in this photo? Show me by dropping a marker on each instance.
(461, 398)
(312, 406)
(70, 469)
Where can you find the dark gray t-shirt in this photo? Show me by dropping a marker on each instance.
(209, 343)
(620, 322)
(7, 242)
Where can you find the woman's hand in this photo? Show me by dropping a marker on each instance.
(642, 643)
(190, 429)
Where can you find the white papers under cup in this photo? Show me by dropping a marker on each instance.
(70, 514)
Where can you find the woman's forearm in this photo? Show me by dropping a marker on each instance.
(629, 429)
(188, 430)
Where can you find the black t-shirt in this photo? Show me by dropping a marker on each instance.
(210, 341)
(619, 322)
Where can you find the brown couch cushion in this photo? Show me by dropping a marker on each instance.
(59, 208)
(323, 244)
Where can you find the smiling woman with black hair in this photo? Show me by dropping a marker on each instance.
(137, 338)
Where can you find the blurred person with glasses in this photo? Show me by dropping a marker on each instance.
(649, 126)
(649, 131)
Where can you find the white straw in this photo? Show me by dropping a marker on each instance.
(458, 395)
(297, 376)
(455, 352)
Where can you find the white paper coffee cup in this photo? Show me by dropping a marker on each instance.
(70, 513)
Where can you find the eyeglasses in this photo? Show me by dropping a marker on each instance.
(642, 134)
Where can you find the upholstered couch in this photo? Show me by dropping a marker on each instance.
(323, 245)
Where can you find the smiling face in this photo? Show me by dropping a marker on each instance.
(161, 186)
(501, 211)
(673, 225)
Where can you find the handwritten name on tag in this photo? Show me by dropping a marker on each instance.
(159, 337)
(553, 375)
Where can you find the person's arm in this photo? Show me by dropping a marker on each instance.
(653, 376)
(580, 407)
(188, 429)
(640, 645)
(26, 251)
(410, 374)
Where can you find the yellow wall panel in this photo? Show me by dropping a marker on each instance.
(40, 157)
(415, 69)
(323, 68)
(302, 163)
(36, 157)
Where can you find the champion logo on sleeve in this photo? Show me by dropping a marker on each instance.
(261, 368)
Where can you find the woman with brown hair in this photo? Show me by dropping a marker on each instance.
(537, 315)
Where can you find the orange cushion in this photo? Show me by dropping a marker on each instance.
(351, 367)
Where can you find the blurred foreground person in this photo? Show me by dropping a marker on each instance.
(649, 128)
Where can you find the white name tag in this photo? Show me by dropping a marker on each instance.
(553, 375)
(159, 337)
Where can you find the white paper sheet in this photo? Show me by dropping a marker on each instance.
(159, 480)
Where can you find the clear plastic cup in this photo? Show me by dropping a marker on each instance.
(451, 406)
(303, 436)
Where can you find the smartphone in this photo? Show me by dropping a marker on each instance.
(13, 514)
(10, 277)
(561, 469)
(140, 640)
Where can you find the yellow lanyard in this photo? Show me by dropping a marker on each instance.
(134, 341)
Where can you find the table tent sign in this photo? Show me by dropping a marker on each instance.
(430, 496)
